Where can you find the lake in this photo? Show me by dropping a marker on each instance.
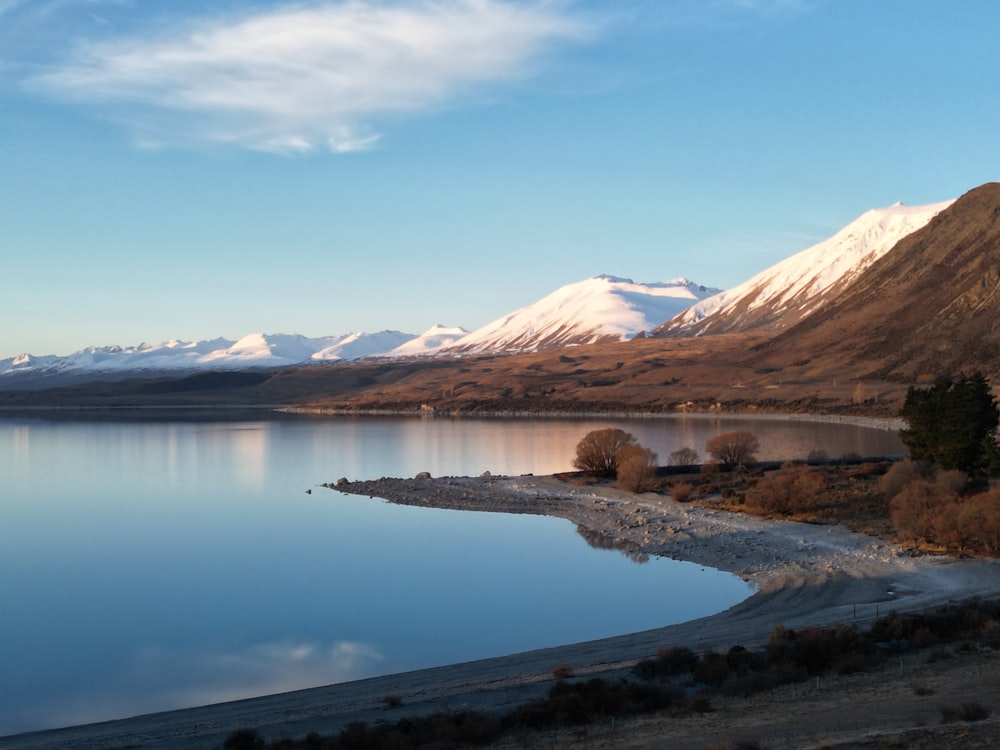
(148, 565)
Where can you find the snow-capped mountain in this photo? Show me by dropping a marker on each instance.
(788, 291)
(429, 342)
(928, 307)
(603, 308)
(253, 351)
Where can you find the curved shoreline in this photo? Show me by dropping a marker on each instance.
(805, 575)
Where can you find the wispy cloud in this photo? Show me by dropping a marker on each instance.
(309, 77)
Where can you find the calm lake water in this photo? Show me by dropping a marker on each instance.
(155, 565)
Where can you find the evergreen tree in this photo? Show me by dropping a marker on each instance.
(953, 424)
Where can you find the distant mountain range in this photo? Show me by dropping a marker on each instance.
(897, 269)
(604, 308)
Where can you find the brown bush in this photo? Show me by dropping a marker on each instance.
(598, 451)
(636, 468)
(733, 449)
(916, 507)
(901, 474)
(978, 522)
(681, 491)
(791, 489)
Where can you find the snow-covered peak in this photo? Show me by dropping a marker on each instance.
(602, 308)
(795, 285)
(430, 341)
(24, 362)
(252, 350)
(358, 345)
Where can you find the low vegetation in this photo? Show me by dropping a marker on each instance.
(599, 452)
(612, 452)
(678, 681)
(636, 470)
(791, 489)
(938, 500)
(733, 450)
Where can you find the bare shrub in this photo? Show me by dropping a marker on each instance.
(971, 711)
(636, 468)
(710, 469)
(681, 491)
(563, 672)
(915, 507)
(598, 451)
(243, 739)
(684, 457)
(901, 474)
(668, 662)
(978, 519)
(791, 489)
(733, 449)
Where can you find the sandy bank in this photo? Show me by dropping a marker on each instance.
(804, 575)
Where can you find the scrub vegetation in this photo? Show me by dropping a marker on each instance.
(678, 682)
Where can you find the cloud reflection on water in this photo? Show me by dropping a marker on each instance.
(161, 679)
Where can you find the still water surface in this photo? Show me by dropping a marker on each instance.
(155, 565)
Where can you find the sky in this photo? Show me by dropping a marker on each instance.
(190, 170)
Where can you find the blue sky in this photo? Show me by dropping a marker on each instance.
(200, 169)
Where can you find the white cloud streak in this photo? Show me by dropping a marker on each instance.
(310, 77)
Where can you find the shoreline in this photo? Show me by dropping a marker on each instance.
(774, 555)
(877, 422)
(277, 411)
(804, 575)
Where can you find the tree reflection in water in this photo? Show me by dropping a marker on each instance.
(601, 540)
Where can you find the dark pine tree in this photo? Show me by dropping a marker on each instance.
(953, 424)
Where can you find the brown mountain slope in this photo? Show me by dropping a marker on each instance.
(929, 307)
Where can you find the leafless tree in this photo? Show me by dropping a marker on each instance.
(733, 449)
(598, 451)
(636, 468)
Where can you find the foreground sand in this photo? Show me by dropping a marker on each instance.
(804, 575)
